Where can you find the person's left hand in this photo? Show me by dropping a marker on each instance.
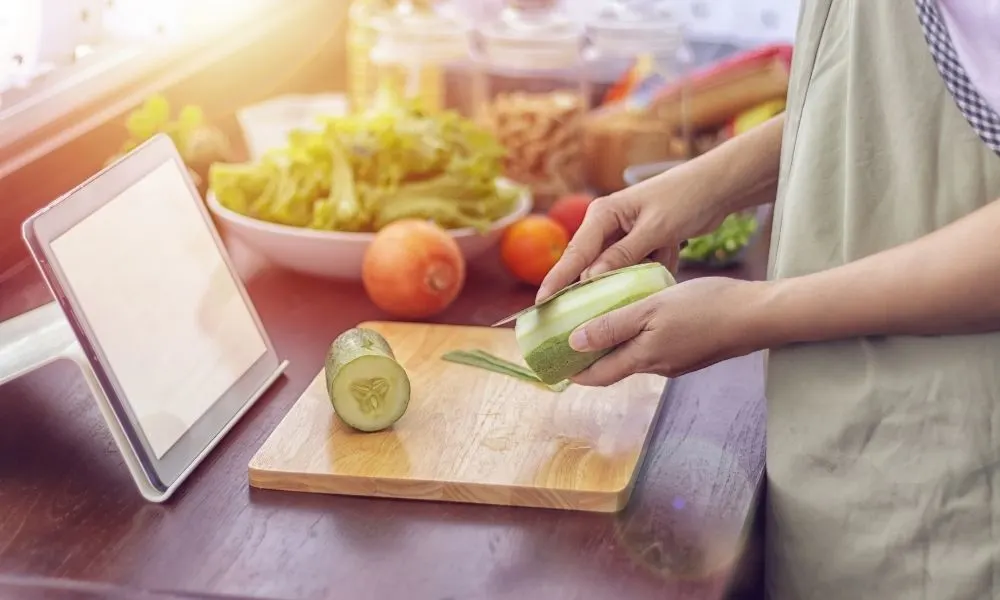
(681, 329)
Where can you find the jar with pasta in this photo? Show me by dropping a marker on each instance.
(415, 48)
(532, 95)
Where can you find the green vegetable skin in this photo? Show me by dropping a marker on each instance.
(543, 333)
(486, 361)
(368, 388)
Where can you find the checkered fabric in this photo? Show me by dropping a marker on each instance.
(983, 118)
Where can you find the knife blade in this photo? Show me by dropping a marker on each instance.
(568, 288)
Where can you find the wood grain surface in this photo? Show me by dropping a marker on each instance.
(68, 508)
(469, 435)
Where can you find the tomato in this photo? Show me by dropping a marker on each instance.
(569, 211)
(532, 246)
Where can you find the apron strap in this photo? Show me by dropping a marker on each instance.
(977, 111)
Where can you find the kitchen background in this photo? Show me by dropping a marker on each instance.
(584, 95)
(40, 36)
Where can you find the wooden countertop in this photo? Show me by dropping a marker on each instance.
(68, 509)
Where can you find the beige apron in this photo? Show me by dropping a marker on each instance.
(883, 454)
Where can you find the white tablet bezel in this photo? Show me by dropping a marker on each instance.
(49, 223)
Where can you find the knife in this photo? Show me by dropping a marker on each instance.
(568, 288)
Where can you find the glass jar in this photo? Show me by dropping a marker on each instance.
(637, 58)
(412, 47)
(532, 94)
(361, 36)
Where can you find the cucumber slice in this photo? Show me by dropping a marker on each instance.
(543, 333)
(368, 388)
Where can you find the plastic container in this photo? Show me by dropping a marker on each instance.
(633, 50)
(268, 124)
(625, 34)
(532, 93)
(410, 46)
(361, 36)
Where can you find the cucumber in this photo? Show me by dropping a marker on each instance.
(543, 333)
(368, 388)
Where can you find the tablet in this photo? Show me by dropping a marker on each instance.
(143, 278)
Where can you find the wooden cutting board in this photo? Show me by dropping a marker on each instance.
(469, 435)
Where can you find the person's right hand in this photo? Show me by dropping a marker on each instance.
(648, 220)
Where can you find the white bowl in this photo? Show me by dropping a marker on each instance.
(339, 254)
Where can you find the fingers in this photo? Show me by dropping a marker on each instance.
(612, 328)
(612, 368)
(630, 250)
(598, 224)
(637, 246)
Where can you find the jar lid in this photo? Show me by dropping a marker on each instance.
(412, 34)
(634, 28)
(531, 35)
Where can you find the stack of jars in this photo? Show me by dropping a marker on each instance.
(639, 46)
(531, 71)
(532, 93)
(550, 86)
(415, 48)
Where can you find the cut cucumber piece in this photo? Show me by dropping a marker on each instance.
(543, 333)
(368, 388)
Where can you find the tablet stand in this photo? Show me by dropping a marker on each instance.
(42, 336)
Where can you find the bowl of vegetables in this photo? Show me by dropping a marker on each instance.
(315, 204)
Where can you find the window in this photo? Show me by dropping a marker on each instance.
(45, 40)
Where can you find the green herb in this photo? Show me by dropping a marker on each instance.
(725, 242)
(484, 360)
(153, 117)
(199, 143)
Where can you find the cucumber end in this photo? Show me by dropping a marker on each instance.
(555, 360)
(370, 393)
(368, 388)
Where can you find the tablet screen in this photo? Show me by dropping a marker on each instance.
(169, 317)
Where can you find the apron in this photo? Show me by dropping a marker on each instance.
(883, 453)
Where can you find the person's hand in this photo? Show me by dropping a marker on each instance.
(648, 220)
(681, 329)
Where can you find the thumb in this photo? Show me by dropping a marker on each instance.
(611, 329)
